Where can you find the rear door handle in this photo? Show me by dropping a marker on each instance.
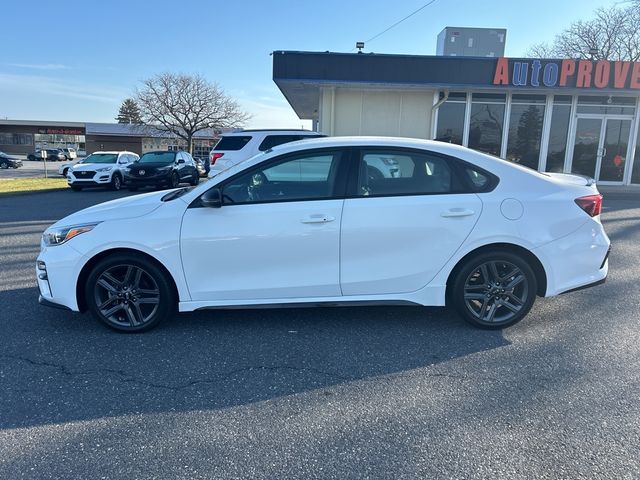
(318, 218)
(457, 212)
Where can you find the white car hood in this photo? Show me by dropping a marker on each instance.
(79, 167)
(122, 208)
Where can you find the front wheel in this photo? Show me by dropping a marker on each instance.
(196, 179)
(494, 290)
(129, 294)
(174, 181)
(116, 182)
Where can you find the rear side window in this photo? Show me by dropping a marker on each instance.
(479, 180)
(387, 173)
(232, 143)
(271, 141)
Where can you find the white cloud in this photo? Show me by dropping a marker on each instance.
(61, 87)
(40, 66)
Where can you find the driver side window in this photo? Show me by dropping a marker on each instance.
(310, 176)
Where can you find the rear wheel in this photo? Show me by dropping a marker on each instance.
(494, 290)
(129, 294)
(4, 165)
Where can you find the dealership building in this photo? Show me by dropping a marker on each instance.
(568, 115)
(22, 137)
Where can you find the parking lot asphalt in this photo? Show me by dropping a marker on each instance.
(371, 392)
(31, 169)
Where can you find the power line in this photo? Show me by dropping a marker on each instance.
(399, 21)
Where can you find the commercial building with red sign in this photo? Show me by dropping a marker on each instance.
(558, 115)
(23, 137)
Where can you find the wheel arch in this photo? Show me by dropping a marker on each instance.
(86, 269)
(533, 261)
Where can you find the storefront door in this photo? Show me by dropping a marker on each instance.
(600, 146)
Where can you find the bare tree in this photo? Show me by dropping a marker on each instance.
(612, 34)
(186, 104)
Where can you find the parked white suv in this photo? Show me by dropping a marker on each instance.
(237, 146)
(100, 169)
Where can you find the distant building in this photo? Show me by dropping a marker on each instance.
(471, 42)
(21, 137)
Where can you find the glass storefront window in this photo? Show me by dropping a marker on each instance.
(486, 123)
(451, 122)
(16, 139)
(525, 133)
(558, 134)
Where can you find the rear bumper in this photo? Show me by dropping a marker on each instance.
(576, 261)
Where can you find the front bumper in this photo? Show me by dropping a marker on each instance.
(57, 269)
(99, 178)
(147, 181)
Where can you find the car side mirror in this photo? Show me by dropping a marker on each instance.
(212, 198)
(181, 161)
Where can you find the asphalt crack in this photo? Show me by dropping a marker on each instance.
(128, 378)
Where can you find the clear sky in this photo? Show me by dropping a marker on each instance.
(77, 60)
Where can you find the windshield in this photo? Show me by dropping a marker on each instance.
(102, 158)
(158, 157)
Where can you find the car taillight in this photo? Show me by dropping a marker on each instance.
(214, 157)
(592, 204)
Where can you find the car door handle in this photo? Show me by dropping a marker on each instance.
(457, 212)
(318, 218)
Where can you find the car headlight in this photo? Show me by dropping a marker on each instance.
(103, 169)
(58, 236)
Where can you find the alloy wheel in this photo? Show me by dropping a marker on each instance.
(127, 295)
(496, 291)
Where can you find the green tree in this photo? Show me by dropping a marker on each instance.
(129, 112)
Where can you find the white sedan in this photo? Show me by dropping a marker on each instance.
(312, 223)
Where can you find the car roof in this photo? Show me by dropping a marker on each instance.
(241, 133)
(114, 152)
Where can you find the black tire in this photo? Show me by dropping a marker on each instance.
(116, 182)
(195, 180)
(4, 165)
(174, 182)
(64, 172)
(114, 293)
(494, 290)
(31, 158)
(76, 188)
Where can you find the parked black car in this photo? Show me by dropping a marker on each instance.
(8, 162)
(162, 169)
(53, 155)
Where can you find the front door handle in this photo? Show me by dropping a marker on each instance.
(457, 212)
(318, 218)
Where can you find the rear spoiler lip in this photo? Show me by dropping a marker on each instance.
(589, 181)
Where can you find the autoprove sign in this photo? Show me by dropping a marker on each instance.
(588, 74)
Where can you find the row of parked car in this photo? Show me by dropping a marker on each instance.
(168, 169)
(54, 154)
(158, 169)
